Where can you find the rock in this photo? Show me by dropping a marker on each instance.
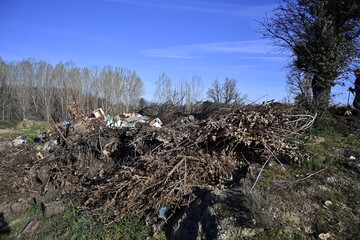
(20, 207)
(42, 174)
(291, 218)
(52, 209)
(31, 227)
(48, 197)
(331, 179)
(251, 232)
(79, 128)
(308, 230)
(319, 140)
(219, 214)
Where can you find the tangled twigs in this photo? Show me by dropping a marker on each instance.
(271, 152)
(138, 171)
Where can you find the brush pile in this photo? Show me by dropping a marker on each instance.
(137, 171)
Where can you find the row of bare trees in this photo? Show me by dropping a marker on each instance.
(186, 93)
(31, 89)
(225, 93)
(38, 90)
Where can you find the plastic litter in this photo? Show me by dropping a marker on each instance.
(155, 123)
(163, 212)
(20, 140)
(130, 120)
(233, 185)
(50, 144)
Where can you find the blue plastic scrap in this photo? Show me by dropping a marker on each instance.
(162, 212)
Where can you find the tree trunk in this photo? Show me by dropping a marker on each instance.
(356, 102)
(321, 93)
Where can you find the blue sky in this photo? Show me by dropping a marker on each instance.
(211, 39)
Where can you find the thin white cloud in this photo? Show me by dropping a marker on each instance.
(243, 66)
(266, 58)
(197, 50)
(203, 6)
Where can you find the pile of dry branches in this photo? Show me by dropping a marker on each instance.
(138, 171)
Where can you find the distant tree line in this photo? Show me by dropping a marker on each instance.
(31, 89)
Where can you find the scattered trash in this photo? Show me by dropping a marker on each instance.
(39, 155)
(348, 113)
(50, 144)
(155, 123)
(162, 212)
(352, 158)
(20, 140)
(99, 113)
(65, 123)
(31, 227)
(328, 203)
(131, 114)
(130, 120)
(324, 236)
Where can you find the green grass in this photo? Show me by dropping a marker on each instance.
(323, 143)
(8, 124)
(31, 132)
(72, 224)
(18, 223)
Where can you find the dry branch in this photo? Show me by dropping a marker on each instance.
(146, 168)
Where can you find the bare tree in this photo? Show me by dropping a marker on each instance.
(215, 93)
(163, 91)
(46, 89)
(37, 89)
(134, 90)
(193, 90)
(22, 75)
(230, 93)
(299, 85)
(226, 93)
(5, 89)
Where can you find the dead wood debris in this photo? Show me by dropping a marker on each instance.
(136, 171)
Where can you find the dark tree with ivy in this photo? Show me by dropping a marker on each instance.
(323, 36)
